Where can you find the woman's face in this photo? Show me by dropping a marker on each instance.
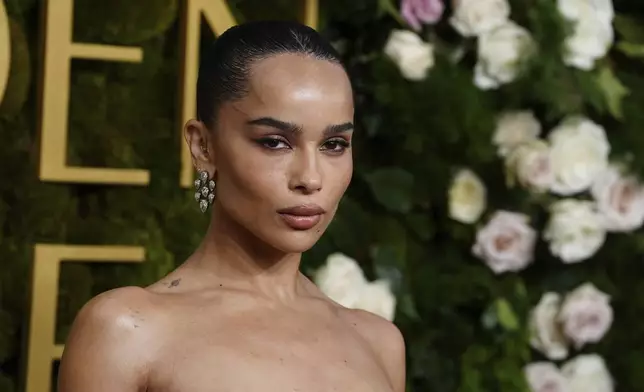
(282, 154)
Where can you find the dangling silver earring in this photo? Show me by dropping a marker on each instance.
(205, 190)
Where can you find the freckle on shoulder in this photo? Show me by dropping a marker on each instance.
(117, 308)
(375, 327)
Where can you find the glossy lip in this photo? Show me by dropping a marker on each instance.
(302, 217)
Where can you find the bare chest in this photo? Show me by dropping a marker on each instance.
(277, 356)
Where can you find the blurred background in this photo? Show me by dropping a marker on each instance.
(495, 212)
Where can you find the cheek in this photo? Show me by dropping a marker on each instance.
(248, 178)
(338, 178)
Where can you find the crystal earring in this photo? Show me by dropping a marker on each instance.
(205, 190)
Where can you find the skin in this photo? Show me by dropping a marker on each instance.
(238, 315)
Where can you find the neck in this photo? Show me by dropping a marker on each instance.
(239, 259)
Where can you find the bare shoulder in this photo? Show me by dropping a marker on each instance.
(114, 329)
(382, 333)
(385, 339)
(122, 311)
(114, 302)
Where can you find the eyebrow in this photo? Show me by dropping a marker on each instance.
(294, 128)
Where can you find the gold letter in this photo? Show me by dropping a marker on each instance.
(42, 348)
(220, 19)
(5, 50)
(59, 50)
(310, 15)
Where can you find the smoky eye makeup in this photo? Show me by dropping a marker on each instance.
(273, 142)
(336, 145)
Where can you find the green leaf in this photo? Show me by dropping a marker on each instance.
(631, 49)
(629, 28)
(520, 289)
(388, 7)
(505, 315)
(392, 187)
(407, 306)
(614, 91)
(489, 319)
(421, 225)
(471, 363)
(389, 264)
(390, 233)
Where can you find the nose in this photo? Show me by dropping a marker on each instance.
(306, 176)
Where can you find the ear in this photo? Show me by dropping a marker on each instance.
(198, 138)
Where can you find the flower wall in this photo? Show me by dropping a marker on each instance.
(496, 208)
(502, 155)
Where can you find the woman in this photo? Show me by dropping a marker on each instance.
(273, 142)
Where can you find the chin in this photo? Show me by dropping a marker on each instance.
(294, 241)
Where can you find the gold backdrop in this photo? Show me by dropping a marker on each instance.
(59, 49)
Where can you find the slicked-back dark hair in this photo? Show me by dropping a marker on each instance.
(226, 65)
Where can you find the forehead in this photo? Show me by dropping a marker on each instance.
(293, 86)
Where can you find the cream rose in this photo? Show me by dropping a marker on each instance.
(586, 315)
(546, 335)
(475, 17)
(579, 153)
(590, 41)
(620, 200)
(506, 242)
(530, 164)
(413, 56)
(341, 279)
(545, 377)
(377, 298)
(467, 197)
(582, 9)
(574, 230)
(592, 30)
(500, 53)
(513, 129)
(587, 373)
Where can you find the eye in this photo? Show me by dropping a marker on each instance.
(337, 145)
(273, 143)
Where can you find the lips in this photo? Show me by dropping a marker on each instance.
(302, 217)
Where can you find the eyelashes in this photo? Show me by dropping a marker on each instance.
(272, 143)
(340, 144)
(335, 145)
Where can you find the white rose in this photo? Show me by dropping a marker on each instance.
(513, 129)
(500, 54)
(506, 242)
(545, 377)
(589, 41)
(530, 164)
(586, 315)
(592, 30)
(376, 297)
(579, 153)
(574, 230)
(467, 197)
(587, 373)
(620, 200)
(413, 56)
(582, 9)
(545, 330)
(341, 279)
(474, 17)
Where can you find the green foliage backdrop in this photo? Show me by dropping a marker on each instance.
(465, 327)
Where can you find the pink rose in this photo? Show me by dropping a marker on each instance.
(416, 12)
(545, 377)
(586, 315)
(506, 242)
(620, 200)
